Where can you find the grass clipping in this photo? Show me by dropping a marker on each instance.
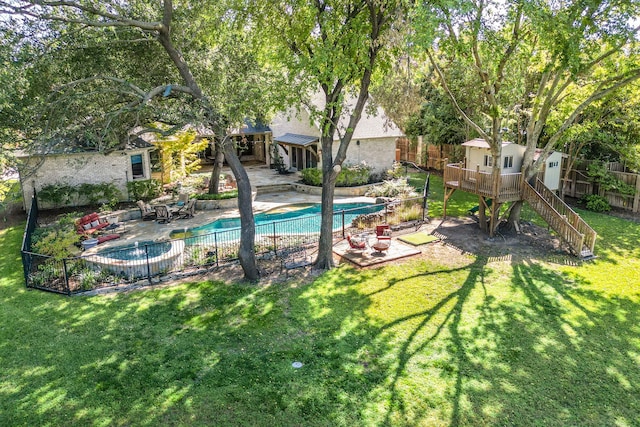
(418, 238)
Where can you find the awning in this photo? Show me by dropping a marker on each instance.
(295, 139)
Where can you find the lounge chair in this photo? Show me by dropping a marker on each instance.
(188, 211)
(163, 214)
(356, 244)
(146, 212)
(383, 233)
(90, 224)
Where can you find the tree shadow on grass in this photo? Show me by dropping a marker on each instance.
(561, 355)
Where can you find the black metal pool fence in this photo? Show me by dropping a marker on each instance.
(191, 253)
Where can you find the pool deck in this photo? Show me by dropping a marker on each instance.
(138, 230)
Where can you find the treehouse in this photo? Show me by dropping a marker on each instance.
(511, 187)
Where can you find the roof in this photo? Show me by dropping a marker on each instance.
(296, 139)
(481, 143)
(80, 147)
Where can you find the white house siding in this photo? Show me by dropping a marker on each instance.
(76, 169)
(552, 171)
(475, 158)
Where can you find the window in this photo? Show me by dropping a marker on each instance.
(508, 162)
(488, 160)
(553, 165)
(137, 170)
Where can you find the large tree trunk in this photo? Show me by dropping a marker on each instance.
(246, 254)
(329, 175)
(218, 157)
(514, 214)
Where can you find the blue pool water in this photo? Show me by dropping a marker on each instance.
(133, 252)
(291, 219)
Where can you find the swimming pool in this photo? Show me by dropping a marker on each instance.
(290, 219)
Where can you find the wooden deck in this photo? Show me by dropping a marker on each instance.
(510, 188)
(507, 189)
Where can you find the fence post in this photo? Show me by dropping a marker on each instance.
(343, 227)
(65, 275)
(215, 248)
(146, 252)
(386, 213)
(275, 239)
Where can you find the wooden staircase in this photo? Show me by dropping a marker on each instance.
(561, 218)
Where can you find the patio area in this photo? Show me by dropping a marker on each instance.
(370, 256)
(266, 186)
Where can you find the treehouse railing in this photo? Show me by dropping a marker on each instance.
(508, 188)
(571, 217)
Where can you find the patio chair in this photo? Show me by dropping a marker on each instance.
(188, 211)
(146, 211)
(357, 244)
(163, 215)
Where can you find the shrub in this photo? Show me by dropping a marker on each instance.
(106, 192)
(393, 188)
(596, 203)
(607, 181)
(396, 171)
(350, 176)
(146, 190)
(56, 194)
(353, 175)
(312, 176)
(220, 196)
(58, 240)
(63, 194)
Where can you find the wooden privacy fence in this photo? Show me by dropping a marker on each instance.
(579, 184)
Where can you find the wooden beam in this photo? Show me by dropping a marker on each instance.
(448, 192)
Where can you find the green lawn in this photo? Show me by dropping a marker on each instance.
(470, 344)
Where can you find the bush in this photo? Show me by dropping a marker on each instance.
(56, 194)
(398, 188)
(220, 196)
(312, 176)
(596, 203)
(146, 190)
(396, 171)
(58, 240)
(350, 176)
(63, 194)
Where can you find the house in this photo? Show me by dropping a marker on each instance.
(478, 157)
(297, 137)
(75, 164)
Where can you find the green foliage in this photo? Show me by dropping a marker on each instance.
(220, 196)
(396, 171)
(57, 194)
(64, 194)
(146, 190)
(312, 176)
(398, 187)
(59, 239)
(105, 192)
(351, 175)
(10, 195)
(278, 162)
(596, 203)
(45, 274)
(607, 181)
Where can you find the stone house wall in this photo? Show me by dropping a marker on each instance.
(80, 168)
